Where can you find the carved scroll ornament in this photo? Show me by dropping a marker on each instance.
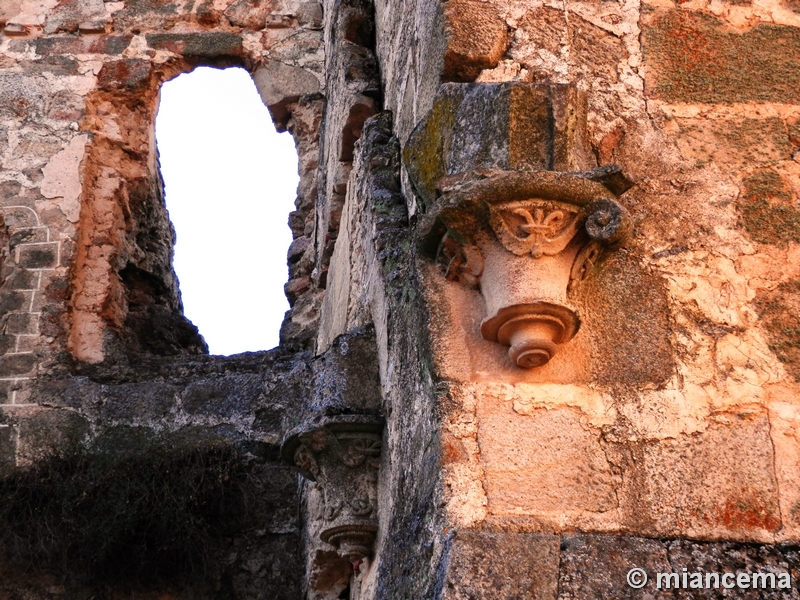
(342, 457)
(525, 240)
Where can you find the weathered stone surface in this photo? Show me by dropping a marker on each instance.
(524, 127)
(476, 39)
(693, 57)
(769, 208)
(597, 566)
(685, 492)
(558, 467)
(70, 15)
(280, 85)
(8, 450)
(207, 46)
(671, 412)
(779, 312)
(503, 566)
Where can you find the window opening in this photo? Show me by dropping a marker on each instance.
(230, 183)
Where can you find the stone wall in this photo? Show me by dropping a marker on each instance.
(660, 433)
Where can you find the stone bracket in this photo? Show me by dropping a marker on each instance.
(342, 456)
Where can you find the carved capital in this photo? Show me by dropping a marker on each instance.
(342, 455)
(534, 226)
(526, 239)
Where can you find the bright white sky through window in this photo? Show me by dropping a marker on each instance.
(231, 182)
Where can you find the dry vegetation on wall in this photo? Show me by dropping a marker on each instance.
(124, 513)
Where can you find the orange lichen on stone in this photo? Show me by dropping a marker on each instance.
(694, 57)
(476, 39)
(769, 210)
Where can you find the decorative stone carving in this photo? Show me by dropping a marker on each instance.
(342, 455)
(508, 208)
(526, 239)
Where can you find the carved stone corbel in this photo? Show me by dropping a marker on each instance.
(526, 239)
(342, 456)
(513, 205)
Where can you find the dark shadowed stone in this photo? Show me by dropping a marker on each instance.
(28, 235)
(20, 323)
(39, 256)
(158, 330)
(7, 450)
(347, 377)
(50, 432)
(6, 394)
(730, 557)
(148, 401)
(23, 280)
(76, 392)
(111, 44)
(233, 396)
(57, 65)
(503, 566)
(7, 342)
(198, 45)
(596, 566)
(16, 364)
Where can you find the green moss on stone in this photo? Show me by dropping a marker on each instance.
(424, 154)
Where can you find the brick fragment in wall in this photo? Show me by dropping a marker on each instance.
(694, 57)
(296, 287)
(477, 39)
